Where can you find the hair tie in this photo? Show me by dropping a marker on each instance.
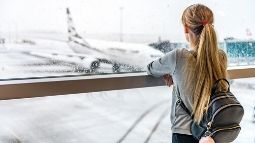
(204, 22)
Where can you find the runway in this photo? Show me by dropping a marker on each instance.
(15, 65)
(133, 115)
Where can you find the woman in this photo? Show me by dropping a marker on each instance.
(193, 71)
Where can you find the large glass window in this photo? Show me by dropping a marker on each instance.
(45, 38)
(53, 37)
(133, 115)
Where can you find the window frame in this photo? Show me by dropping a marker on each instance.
(28, 88)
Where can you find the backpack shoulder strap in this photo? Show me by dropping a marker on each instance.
(185, 108)
(215, 86)
(181, 103)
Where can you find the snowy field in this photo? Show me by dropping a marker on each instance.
(15, 64)
(128, 116)
(89, 118)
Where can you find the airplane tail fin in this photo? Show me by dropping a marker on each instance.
(73, 36)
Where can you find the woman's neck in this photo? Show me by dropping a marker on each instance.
(192, 46)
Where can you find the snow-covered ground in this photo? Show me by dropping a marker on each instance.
(245, 92)
(89, 118)
(128, 116)
(17, 64)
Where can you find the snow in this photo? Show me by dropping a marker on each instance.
(103, 116)
(91, 117)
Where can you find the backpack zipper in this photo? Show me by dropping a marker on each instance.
(209, 124)
(221, 108)
(229, 128)
(217, 98)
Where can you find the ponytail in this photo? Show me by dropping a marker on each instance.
(199, 18)
(208, 69)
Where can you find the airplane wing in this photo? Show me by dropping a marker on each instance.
(55, 49)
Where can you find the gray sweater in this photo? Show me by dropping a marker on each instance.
(173, 63)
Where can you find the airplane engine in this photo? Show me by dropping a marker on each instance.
(91, 63)
(253, 119)
(116, 68)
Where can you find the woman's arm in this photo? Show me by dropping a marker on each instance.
(164, 65)
(168, 80)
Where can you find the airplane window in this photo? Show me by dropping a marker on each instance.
(135, 51)
(41, 38)
(118, 50)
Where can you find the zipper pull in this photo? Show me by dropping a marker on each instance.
(207, 134)
(178, 102)
(209, 124)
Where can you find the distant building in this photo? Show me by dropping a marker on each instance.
(239, 48)
(234, 48)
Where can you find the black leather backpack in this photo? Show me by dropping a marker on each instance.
(221, 122)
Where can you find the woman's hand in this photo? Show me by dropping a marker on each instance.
(168, 80)
(206, 140)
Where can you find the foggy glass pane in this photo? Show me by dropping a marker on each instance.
(240, 52)
(40, 38)
(133, 115)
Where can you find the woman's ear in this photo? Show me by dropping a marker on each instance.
(186, 29)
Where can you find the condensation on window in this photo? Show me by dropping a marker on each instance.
(56, 38)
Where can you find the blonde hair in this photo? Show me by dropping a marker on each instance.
(199, 19)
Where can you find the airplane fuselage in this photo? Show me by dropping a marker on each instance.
(131, 54)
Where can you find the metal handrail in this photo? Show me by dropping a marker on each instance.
(16, 89)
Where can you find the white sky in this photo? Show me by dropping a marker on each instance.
(152, 17)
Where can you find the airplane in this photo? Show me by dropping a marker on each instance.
(89, 53)
(116, 53)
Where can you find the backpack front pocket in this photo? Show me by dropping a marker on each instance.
(225, 134)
